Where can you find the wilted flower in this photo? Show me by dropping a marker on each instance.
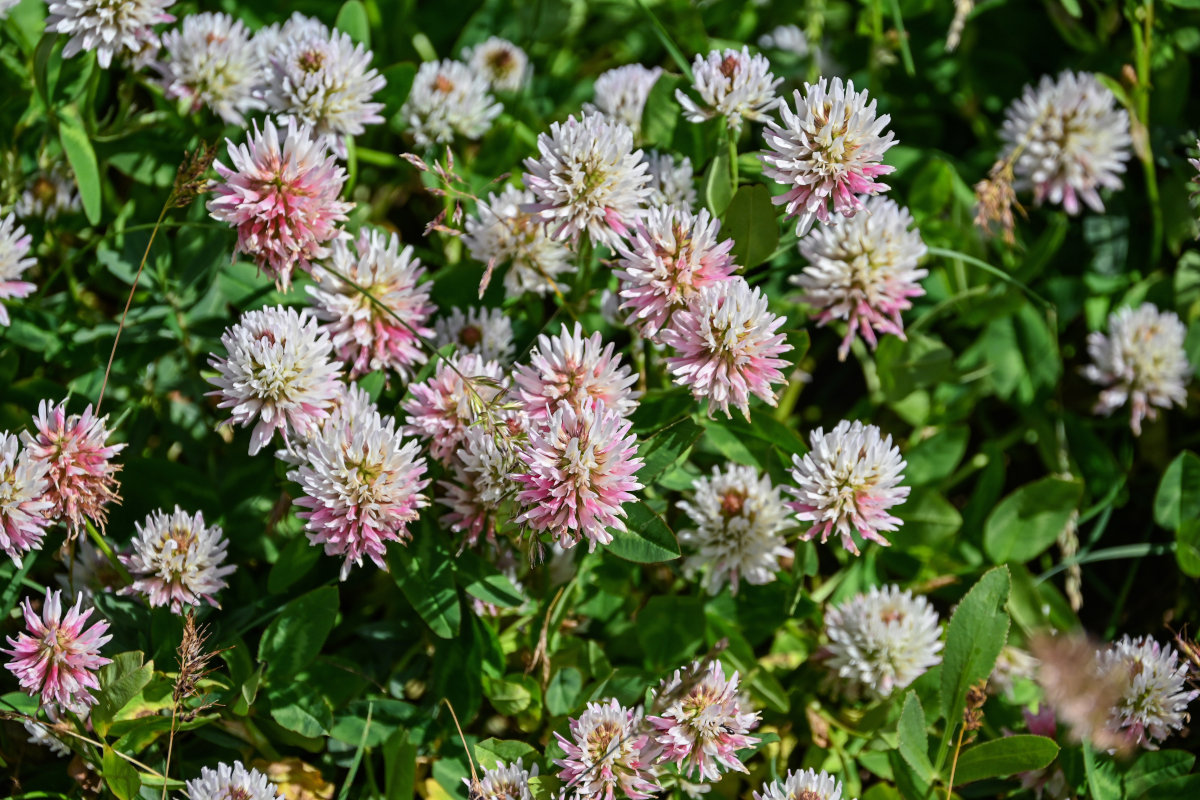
(739, 518)
(502, 232)
(606, 753)
(441, 408)
(829, 151)
(726, 346)
(574, 369)
(805, 784)
(588, 178)
(234, 782)
(49, 193)
(24, 507)
(621, 94)
(1154, 690)
(40, 733)
(1141, 361)
(670, 183)
(504, 782)
(732, 84)
(177, 559)
(449, 98)
(705, 725)
(578, 471)
(58, 656)
(283, 201)
(213, 62)
(505, 65)
(882, 641)
(14, 259)
(863, 269)
(361, 486)
(849, 479)
(487, 332)
(1067, 140)
(108, 28)
(278, 375)
(82, 471)
(326, 81)
(378, 324)
(669, 257)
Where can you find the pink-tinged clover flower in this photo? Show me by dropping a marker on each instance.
(177, 560)
(82, 471)
(232, 782)
(440, 409)
(14, 259)
(829, 151)
(56, 658)
(726, 345)
(849, 480)
(577, 370)
(621, 94)
(24, 508)
(578, 470)
(607, 753)
(283, 200)
(504, 782)
(703, 727)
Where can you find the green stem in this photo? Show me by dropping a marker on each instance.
(905, 53)
(988, 268)
(732, 136)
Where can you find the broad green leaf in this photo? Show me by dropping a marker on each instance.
(301, 709)
(120, 776)
(562, 695)
(905, 366)
(491, 752)
(929, 518)
(646, 539)
(1030, 519)
(352, 19)
(665, 447)
(1006, 756)
(511, 695)
(661, 114)
(480, 579)
(718, 184)
(935, 458)
(425, 573)
(1187, 547)
(120, 682)
(974, 639)
(295, 637)
(669, 629)
(545, 787)
(750, 220)
(1102, 779)
(78, 147)
(399, 767)
(1185, 787)
(295, 561)
(1178, 496)
(914, 744)
(728, 442)
(1153, 767)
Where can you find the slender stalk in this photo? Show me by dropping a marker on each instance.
(954, 761)
(733, 158)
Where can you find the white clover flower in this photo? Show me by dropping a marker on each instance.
(805, 784)
(24, 510)
(278, 374)
(324, 79)
(213, 63)
(269, 39)
(1154, 689)
(108, 28)
(232, 782)
(621, 93)
(482, 480)
(503, 782)
(1069, 140)
(505, 65)
(5, 7)
(864, 270)
(502, 231)
(487, 332)
(849, 479)
(882, 641)
(732, 84)
(49, 193)
(670, 183)
(40, 733)
(829, 152)
(176, 559)
(14, 260)
(1141, 361)
(588, 178)
(788, 38)
(739, 520)
(448, 98)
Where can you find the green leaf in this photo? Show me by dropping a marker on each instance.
(1185, 787)
(400, 767)
(1030, 519)
(426, 577)
(491, 752)
(974, 639)
(545, 787)
(295, 561)
(120, 682)
(905, 366)
(1006, 756)
(661, 114)
(665, 447)
(562, 694)
(929, 518)
(1102, 779)
(399, 79)
(301, 709)
(750, 220)
(120, 776)
(914, 746)
(646, 538)
(718, 184)
(352, 19)
(78, 147)
(482, 580)
(295, 637)
(1178, 496)
(934, 459)
(1187, 547)
(1153, 767)
(512, 695)
(669, 629)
